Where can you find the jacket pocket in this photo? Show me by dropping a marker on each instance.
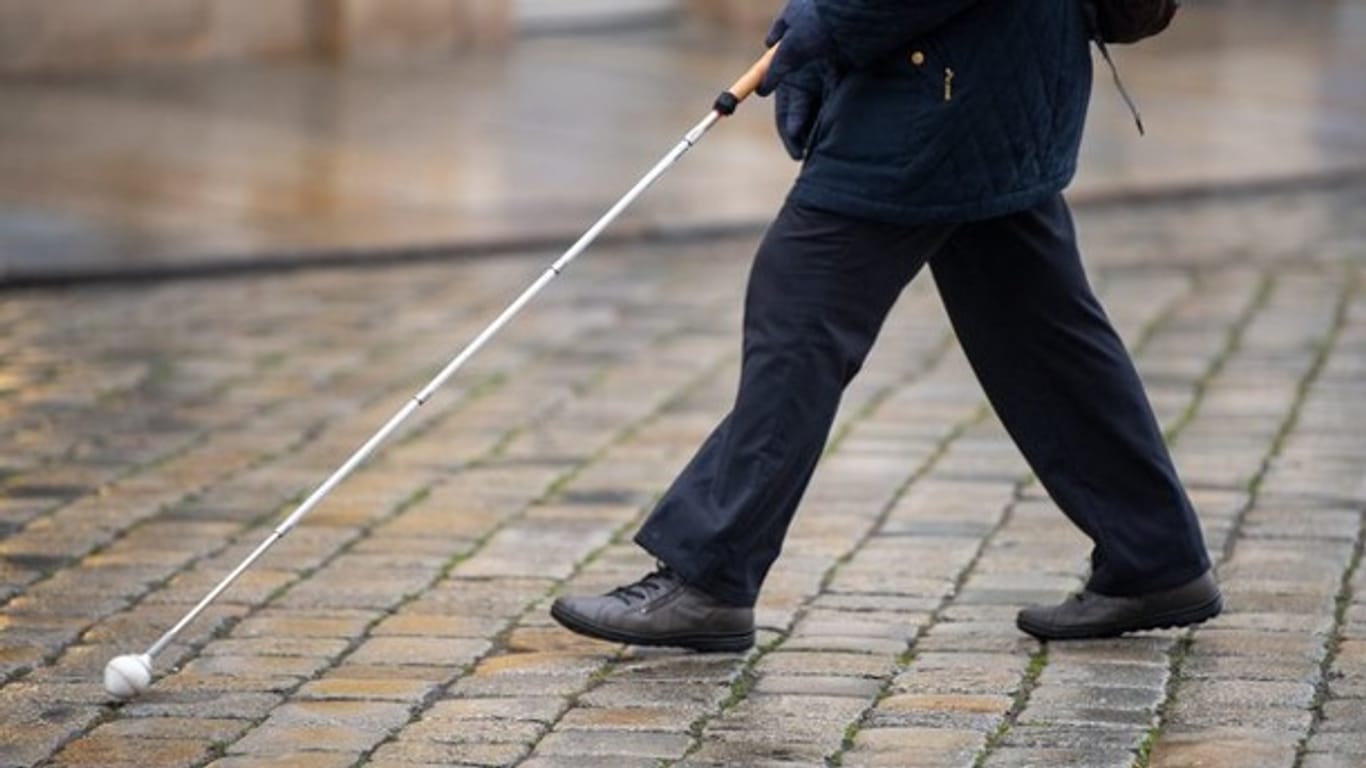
(883, 114)
(928, 61)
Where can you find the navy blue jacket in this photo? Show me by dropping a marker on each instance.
(951, 110)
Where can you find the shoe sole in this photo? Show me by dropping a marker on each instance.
(1182, 617)
(711, 642)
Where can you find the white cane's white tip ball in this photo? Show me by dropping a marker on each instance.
(127, 676)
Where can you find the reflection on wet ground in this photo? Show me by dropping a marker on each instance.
(268, 160)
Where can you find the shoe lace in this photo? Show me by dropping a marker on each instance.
(650, 584)
(1082, 598)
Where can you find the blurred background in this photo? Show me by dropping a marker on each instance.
(172, 136)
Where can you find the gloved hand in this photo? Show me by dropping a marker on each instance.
(805, 40)
(797, 102)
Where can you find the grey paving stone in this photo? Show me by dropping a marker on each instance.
(1327, 760)
(589, 745)
(302, 760)
(914, 747)
(103, 749)
(826, 664)
(693, 697)
(213, 730)
(1081, 757)
(669, 667)
(759, 749)
(204, 703)
(1344, 716)
(405, 753)
(967, 672)
(980, 712)
(1214, 641)
(1148, 648)
(543, 709)
(1104, 705)
(643, 719)
(32, 736)
(885, 624)
(1105, 674)
(963, 642)
(362, 689)
(419, 651)
(1076, 735)
(599, 761)
(1255, 668)
(468, 732)
(837, 644)
(1345, 743)
(1223, 748)
(1271, 706)
(260, 667)
(809, 685)
(796, 717)
(1303, 624)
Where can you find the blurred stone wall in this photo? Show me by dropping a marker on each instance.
(65, 35)
(58, 35)
(362, 27)
(740, 14)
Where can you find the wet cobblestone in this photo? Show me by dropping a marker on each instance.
(153, 434)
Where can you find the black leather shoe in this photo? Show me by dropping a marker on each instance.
(1090, 615)
(659, 610)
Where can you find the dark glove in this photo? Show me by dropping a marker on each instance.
(798, 101)
(805, 40)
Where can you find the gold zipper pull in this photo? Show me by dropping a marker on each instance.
(948, 84)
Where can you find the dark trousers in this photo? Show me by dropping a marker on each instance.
(1051, 364)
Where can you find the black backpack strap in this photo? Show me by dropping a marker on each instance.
(1093, 23)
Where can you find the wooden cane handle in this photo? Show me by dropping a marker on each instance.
(749, 81)
(746, 85)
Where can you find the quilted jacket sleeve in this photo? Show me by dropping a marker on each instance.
(864, 30)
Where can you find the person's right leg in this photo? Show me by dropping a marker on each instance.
(819, 290)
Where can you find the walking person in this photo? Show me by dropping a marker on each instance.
(935, 133)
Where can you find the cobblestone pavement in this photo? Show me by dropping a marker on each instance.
(152, 434)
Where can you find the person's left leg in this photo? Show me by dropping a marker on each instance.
(1065, 388)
